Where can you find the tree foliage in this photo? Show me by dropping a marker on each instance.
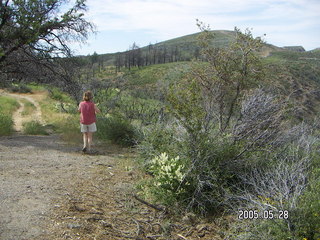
(32, 32)
(228, 73)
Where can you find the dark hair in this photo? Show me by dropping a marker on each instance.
(87, 96)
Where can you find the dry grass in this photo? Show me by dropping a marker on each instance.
(63, 123)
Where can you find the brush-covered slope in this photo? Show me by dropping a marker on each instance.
(183, 48)
(294, 70)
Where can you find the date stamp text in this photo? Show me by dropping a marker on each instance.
(266, 214)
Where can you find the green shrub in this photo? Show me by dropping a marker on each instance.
(58, 95)
(147, 111)
(20, 88)
(118, 130)
(6, 124)
(34, 128)
(202, 162)
(160, 138)
(36, 86)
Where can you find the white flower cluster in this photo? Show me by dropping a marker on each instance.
(167, 171)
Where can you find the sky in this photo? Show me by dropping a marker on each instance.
(120, 23)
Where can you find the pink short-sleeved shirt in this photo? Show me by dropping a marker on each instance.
(88, 114)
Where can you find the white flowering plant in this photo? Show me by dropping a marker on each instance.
(168, 173)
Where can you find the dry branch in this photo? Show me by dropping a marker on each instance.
(158, 208)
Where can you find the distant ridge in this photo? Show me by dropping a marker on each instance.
(295, 48)
(186, 47)
(222, 39)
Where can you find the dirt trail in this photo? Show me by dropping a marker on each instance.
(18, 117)
(35, 173)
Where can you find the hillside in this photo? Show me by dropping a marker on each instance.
(295, 70)
(182, 48)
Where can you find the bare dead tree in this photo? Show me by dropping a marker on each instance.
(260, 121)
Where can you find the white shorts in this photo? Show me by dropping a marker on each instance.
(88, 128)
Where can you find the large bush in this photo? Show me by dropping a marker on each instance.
(147, 111)
(118, 130)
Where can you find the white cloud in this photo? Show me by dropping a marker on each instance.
(166, 19)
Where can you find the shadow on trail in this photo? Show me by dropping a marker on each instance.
(54, 142)
(51, 142)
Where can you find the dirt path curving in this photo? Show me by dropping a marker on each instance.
(18, 117)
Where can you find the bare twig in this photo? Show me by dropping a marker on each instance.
(159, 208)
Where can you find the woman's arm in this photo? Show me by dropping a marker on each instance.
(96, 109)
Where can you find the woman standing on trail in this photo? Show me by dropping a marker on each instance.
(88, 112)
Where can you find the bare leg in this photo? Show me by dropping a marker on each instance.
(89, 135)
(85, 139)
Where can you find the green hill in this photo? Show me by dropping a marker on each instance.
(183, 48)
(295, 70)
(222, 38)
